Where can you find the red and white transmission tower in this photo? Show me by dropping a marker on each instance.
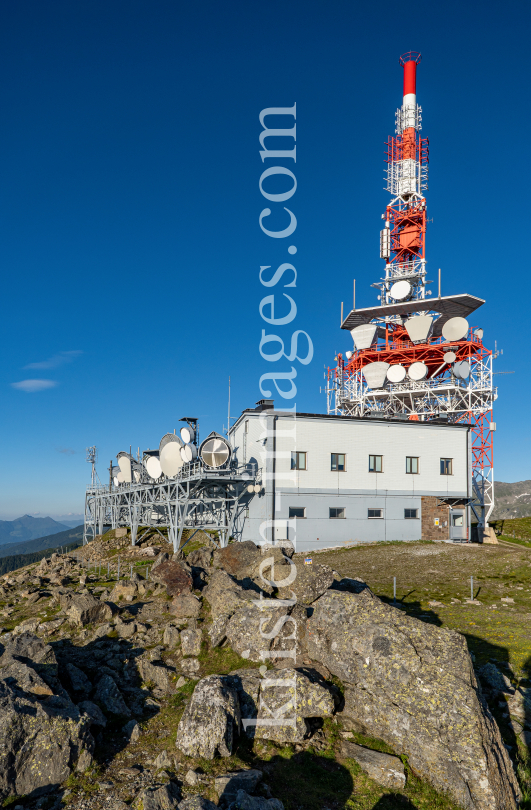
(416, 356)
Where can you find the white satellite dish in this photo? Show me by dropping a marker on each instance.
(124, 463)
(462, 370)
(449, 357)
(170, 454)
(375, 373)
(400, 290)
(188, 452)
(187, 434)
(417, 371)
(250, 488)
(215, 451)
(116, 481)
(120, 478)
(257, 488)
(455, 329)
(364, 336)
(396, 373)
(479, 333)
(418, 328)
(348, 355)
(153, 468)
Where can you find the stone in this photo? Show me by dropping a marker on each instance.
(248, 629)
(224, 595)
(109, 697)
(385, 769)
(227, 785)
(246, 802)
(103, 630)
(508, 599)
(27, 626)
(412, 685)
(519, 705)
(149, 551)
(247, 685)
(174, 576)
(310, 583)
(131, 730)
(85, 761)
(191, 641)
(201, 557)
(84, 609)
(190, 667)
(196, 803)
(495, 680)
(79, 682)
(94, 713)
(161, 676)
(24, 677)
(237, 559)
(185, 606)
(217, 630)
(171, 636)
(158, 798)
(40, 742)
(301, 697)
(125, 629)
(163, 761)
(211, 719)
(124, 590)
(191, 778)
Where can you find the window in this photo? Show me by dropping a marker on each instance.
(457, 520)
(412, 465)
(410, 514)
(446, 466)
(375, 463)
(337, 512)
(375, 513)
(337, 462)
(298, 461)
(297, 511)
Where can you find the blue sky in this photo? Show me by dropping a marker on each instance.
(129, 207)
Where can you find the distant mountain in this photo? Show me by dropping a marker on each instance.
(512, 500)
(50, 541)
(28, 528)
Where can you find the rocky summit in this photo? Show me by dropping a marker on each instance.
(132, 676)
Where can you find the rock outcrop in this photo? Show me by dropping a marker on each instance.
(211, 720)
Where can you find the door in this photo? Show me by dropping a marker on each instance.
(457, 524)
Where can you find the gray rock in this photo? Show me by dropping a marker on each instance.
(185, 606)
(171, 636)
(78, 680)
(24, 677)
(237, 559)
(40, 742)
(412, 685)
(161, 676)
(190, 667)
(246, 802)
(224, 595)
(158, 798)
(95, 714)
(191, 641)
(196, 803)
(248, 628)
(247, 685)
(216, 631)
(200, 557)
(131, 730)
(495, 680)
(84, 609)
(110, 699)
(383, 768)
(227, 785)
(163, 761)
(191, 778)
(310, 583)
(175, 576)
(210, 719)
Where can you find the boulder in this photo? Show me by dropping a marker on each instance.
(237, 559)
(227, 785)
(23, 677)
(196, 803)
(412, 685)
(36, 654)
(495, 680)
(174, 576)
(246, 682)
(79, 682)
(383, 768)
(190, 667)
(40, 742)
(310, 583)
(161, 676)
(224, 595)
(125, 629)
(131, 731)
(84, 609)
(124, 590)
(191, 641)
(246, 802)
(185, 606)
(110, 698)
(158, 798)
(216, 631)
(200, 557)
(250, 631)
(519, 705)
(210, 720)
(171, 636)
(94, 713)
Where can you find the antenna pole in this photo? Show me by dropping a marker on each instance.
(110, 475)
(439, 282)
(341, 313)
(354, 295)
(228, 413)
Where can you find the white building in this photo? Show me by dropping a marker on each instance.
(332, 480)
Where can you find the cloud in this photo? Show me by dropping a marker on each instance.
(57, 360)
(30, 386)
(66, 451)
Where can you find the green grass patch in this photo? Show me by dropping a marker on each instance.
(221, 660)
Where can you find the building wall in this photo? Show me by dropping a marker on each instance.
(356, 489)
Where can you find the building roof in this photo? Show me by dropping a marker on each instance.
(371, 419)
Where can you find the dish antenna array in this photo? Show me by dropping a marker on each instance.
(414, 356)
(181, 485)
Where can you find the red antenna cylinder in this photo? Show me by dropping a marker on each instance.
(409, 62)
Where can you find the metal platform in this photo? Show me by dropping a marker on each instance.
(450, 306)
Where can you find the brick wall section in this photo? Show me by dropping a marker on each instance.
(432, 508)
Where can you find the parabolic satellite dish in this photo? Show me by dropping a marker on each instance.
(215, 451)
(375, 373)
(400, 290)
(188, 452)
(187, 434)
(153, 468)
(124, 463)
(120, 478)
(396, 373)
(418, 328)
(170, 454)
(479, 333)
(417, 371)
(449, 357)
(364, 335)
(455, 329)
(462, 370)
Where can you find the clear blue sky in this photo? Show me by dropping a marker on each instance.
(129, 207)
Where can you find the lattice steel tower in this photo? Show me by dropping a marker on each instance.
(414, 356)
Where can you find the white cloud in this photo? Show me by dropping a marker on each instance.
(30, 386)
(57, 360)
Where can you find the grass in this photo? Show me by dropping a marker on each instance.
(221, 660)
(521, 527)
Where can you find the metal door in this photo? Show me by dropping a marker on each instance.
(457, 524)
